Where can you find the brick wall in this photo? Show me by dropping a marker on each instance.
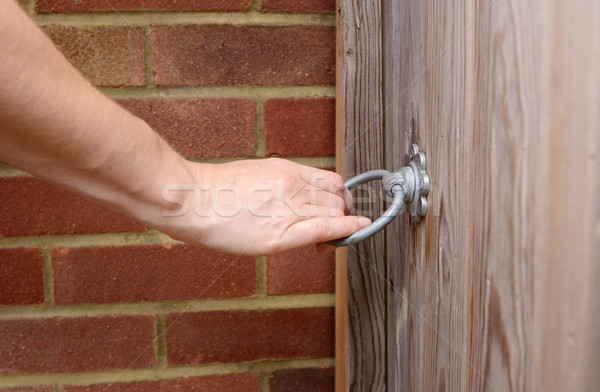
(93, 301)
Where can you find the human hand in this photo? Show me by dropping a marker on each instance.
(260, 207)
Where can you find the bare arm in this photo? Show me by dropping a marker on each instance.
(55, 125)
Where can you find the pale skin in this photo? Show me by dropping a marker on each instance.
(56, 125)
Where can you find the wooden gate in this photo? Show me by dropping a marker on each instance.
(497, 289)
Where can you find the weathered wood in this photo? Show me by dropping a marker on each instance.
(428, 69)
(360, 148)
(496, 289)
(570, 320)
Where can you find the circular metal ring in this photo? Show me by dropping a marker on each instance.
(383, 220)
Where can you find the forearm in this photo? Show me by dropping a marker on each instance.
(55, 125)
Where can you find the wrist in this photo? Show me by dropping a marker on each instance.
(177, 199)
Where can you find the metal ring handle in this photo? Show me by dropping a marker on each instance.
(384, 219)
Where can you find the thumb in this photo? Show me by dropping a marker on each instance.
(321, 229)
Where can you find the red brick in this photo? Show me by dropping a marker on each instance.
(242, 335)
(196, 127)
(236, 382)
(31, 206)
(139, 5)
(29, 389)
(299, 5)
(301, 271)
(149, 273)
(21, 276)
(76, 344)
(300, 127)
(247, 55)
(108, 55)
(308, 380)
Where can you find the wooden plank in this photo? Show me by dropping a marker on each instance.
(570, 319)
(341, 295)
(341, 315)
(359, 125)
(495, 289)
(428, 68)
(403, 67)
(510, 157)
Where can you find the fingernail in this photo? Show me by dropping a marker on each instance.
(364, 222)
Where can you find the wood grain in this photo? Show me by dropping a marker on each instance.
(360, 148)
(570, 317)
(496, 289)
(428, 69)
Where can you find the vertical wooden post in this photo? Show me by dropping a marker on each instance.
(361, 289)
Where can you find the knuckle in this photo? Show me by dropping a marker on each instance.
(349, 204)
(284, 163)
(289, 183)
(275, 160)
(340, 203)
(337, 181)
(320, 228)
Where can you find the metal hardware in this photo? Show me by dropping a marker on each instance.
(409, 185)
(415, 159)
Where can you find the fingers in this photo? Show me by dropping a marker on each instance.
(313, 211)
(321, 229)
(328, 181)
(317, 196)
